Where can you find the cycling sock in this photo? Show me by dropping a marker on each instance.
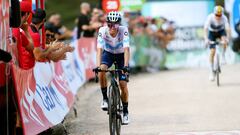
(104, 92)
(125, 107)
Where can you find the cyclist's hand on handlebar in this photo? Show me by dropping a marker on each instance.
(96, 69)
(206, 42)
(126, 69)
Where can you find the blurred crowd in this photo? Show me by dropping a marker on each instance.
(150, 39)
(236, 41)
(156, 33)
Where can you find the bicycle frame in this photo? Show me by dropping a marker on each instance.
(114, 101)
(216, 64)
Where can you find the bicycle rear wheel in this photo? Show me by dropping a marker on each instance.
(112, 111)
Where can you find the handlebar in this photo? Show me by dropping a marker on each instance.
(96, 70)
(107, 70)
(216, 42)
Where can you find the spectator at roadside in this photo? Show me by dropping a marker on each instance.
(95, 21)
(236, 41)
(24, 47)
(59, 54)
(62, 33)
(23, 38)
(237, 28)
(40, 51)
(84, 27)
(165, 34)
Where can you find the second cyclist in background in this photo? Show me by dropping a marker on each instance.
(113, 46)
(216, 27)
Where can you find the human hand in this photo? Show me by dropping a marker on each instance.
(69, 48)
(206, 43)
(24, 27)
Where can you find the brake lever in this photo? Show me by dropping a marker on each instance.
(96, 75)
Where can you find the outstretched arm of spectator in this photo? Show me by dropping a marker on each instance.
(66, 33)
(30, 45)
(41, 54)
(60, 54)
(87, 27)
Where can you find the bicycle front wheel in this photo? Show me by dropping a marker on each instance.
(218, 71)
(119, 112)
(112, 111)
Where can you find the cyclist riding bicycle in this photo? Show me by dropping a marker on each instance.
(113, 47)
(216, 26)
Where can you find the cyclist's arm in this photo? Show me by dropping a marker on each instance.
(227, 28)
(99, 56)
(206, 25)
(126, 47)
(126, 56)
(100, 44)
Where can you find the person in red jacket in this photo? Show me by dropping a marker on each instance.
(23, 38)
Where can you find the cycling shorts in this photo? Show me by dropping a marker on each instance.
(212, 36)
(109, 58)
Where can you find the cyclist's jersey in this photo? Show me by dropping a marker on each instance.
(214, 25)
(111, 44)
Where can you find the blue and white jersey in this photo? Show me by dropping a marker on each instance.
(214, 25)
(111, 44)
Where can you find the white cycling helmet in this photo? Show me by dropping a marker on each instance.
(114, 17)
(218, 10)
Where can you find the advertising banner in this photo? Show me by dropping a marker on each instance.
(46, 93)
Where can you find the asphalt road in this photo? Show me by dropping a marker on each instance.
(171, 102)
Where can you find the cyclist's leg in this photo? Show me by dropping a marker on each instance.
(224, 39)
(103, 80)
(225, 43)
(123, 87)
(105, 63)
(124, 94)
(212, 37)
(124, 97)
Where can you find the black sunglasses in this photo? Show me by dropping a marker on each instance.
(50, 35)
(218, 15)
(110, 25)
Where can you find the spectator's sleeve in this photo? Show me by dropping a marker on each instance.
(25, 41)
(16, 33)
(125, 38)
(36, 39)
(100, 40)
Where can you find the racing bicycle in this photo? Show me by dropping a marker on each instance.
(115, 108)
